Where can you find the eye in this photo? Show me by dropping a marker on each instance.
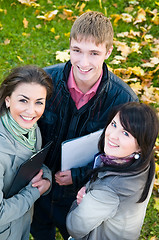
(23, 100)
(113, 124)
(76, 50)
(94, 54)
(126, 133)
(39, 103)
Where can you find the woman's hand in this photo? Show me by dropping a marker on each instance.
(40, 183)
(81, 193)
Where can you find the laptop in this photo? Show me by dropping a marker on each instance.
(28, 170)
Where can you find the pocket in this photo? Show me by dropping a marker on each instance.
(5, 232)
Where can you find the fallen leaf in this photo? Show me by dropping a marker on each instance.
(57, 37)
(29, 3)
(82, 7)
(49, 15)
(26, 34)
(117, 18)
(138, 71)
(123, 47)
(136, 87)
(156, 205)
(20, 59)
(7, 41)
(155, 19)
(38, 26)
(148, 64)
(135, 46)
(126, 17)
(67, 34)
(141, 16)
(63, 55)
(25, 23)
(148, 37)
(52, 30)
(67, 12)
(100, 3)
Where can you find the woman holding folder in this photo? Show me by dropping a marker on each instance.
(113, 203)
(22, 102)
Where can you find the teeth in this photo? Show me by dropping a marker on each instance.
(113, 144)
(83, 70)
(27, 118)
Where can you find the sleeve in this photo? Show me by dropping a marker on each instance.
(83, 218)
(47, 174)
(16, 206)
(80, 175)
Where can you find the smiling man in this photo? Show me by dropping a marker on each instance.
(85, 92)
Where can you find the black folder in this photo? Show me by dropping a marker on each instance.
(28, 170)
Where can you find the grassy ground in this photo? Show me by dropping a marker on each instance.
(27, 39)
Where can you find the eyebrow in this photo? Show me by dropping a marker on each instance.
(93, 50)
(21, 95)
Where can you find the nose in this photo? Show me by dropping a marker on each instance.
(30, 109)
(114, 134)
(84, 61)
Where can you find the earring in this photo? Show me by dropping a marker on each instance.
(137, 156)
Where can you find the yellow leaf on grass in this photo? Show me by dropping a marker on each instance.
(82, 7)
(68, 12)
(126, 17)
(7, 41)
(155, 19)
(135, 46)
(123, 47)
(20, 59)
(49, 15)
(138, 71)
(25, 23)
(67, 34)
(57, 37)
(29, 3)
(141, 16)
(63, 56)
(149, 95)
(136, 87)
(117, 18)
(156, 205)
(26, 34)
(52, 30)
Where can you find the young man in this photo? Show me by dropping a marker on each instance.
(85, 91)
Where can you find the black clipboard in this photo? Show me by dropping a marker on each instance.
(28, 170)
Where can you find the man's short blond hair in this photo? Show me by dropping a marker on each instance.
(94, 26)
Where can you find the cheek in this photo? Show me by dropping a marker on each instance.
(40, 112)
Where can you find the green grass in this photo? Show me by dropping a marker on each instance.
(38, 46)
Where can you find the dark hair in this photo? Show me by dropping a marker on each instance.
(24, 74)
(141, 121)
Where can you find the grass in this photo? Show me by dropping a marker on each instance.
(38, 42)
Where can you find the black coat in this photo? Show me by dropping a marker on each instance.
(62, 120)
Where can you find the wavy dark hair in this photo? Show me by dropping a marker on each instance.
(23, 74)
(141, 121)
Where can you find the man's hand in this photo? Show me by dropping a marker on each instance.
(64, 178)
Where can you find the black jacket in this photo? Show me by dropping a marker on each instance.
(62, 120)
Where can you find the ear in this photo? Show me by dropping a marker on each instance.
(109, 52)
(7, 101)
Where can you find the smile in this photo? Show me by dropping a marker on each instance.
(27, 118)
(84, 70)
(112, 144)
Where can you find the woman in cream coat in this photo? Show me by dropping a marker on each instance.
(22, 101)
(117, 195)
